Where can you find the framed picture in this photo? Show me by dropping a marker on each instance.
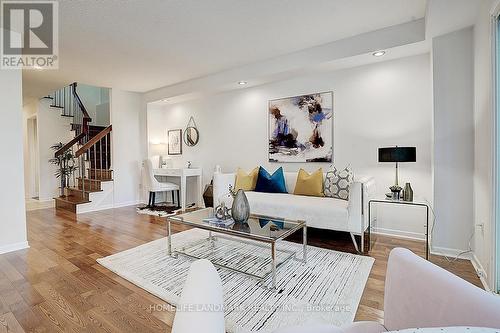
(175, 142)
(301, 128)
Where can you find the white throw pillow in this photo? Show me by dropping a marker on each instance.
(337, 183)
(449, 330)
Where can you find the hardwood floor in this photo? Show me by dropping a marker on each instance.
(57, 286)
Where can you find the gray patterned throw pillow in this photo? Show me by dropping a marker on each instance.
(337, 183)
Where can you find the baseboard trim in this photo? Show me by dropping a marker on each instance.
(480, 272)
(46, 199)
(119, 205)
(96, 209)
(447, 252)
(398, 233)
(14, 247)
(126, 204)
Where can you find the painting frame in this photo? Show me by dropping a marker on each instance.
(174, 142)
(329, 133)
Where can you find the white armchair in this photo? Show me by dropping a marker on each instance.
(417, 294)
(421, 294)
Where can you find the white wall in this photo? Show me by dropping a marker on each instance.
(377, 105)
(52, 129)
(102, 115)
(126, 146)
(483, 138)
(13, 222)
(30, 156)
(90, 96)
(453, 82)
(96, 102)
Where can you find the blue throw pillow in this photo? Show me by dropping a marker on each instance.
(274, 183)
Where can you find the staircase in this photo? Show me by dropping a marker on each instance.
(90, 187)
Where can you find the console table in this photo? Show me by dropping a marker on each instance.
(419, 203)
(183, 174)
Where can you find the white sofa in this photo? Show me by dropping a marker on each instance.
(318, 212)
(417, 294)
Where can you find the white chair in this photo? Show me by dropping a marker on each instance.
(417, 294)
(152, 185)
(201, 306)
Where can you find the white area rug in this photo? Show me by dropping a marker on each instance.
(325, 290)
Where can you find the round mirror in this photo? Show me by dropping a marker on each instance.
(191, 136)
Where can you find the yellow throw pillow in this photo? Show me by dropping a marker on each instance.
(309, 184)
(244, 181)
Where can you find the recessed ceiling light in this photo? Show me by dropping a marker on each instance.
(378, 53)
(241, 83)
(38, 68)
(165, 100)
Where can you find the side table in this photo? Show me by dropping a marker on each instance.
(407, 203)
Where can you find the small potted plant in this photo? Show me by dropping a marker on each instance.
(66, 165)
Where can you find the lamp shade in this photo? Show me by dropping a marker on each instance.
(397, 154)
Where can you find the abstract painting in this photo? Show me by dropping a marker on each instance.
(301, 128)
(175, 142)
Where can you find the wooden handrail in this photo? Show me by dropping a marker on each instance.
(80, 104)
(85, 121)
(70, 144)
(93, 141)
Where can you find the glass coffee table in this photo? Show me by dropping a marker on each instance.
(257, 231)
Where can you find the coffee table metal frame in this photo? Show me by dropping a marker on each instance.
(244, 238)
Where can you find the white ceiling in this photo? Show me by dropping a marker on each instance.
(143, 45)
(445, 16)
(398, 40)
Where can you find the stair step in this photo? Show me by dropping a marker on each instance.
(89, 179)
(66, 115)
(76, 192)
(90, 184)
(101, 174)
(57, 106)
(69, 203)
(72, 199)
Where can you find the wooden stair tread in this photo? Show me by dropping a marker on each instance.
(93, 180)
(86, 190)
(70, 199)
(97, 169)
